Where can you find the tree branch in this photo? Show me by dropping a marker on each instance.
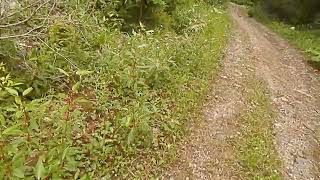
(21, 22)
(68, 60)
(7, 16)
(27, 34)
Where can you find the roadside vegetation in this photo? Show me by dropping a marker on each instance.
(254, 146)
(101, 89)
(298, 21)
(304, 37)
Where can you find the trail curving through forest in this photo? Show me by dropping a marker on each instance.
(255, 52)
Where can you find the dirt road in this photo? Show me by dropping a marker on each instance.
(254, 52)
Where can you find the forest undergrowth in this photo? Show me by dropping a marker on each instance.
(98, 89)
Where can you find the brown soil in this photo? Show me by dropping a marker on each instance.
(256, 51)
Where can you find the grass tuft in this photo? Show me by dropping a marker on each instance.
(255, 146)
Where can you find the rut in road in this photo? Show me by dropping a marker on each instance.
(255, 52)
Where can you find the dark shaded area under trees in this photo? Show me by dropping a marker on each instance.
(289, 11)
(293, 11)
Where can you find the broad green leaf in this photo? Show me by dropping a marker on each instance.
(33, 59)
(2, 172)
(27, 91)
(71, 165)
(128, 121)
(63, 71)
(39, 169)
(17, 99)
(2, 119)
(12, 91)
(17, 84)
(18, 162)
(131, 136)
(64, 154)
(10, 109)
(83, 72)
(144, 126)
(84, 102)
(61, 95)
(19, 171)
(76, 175)
(13, 130)
(217, 11)
(84, 177)
(76, 87)
(18, 114)
(34, 124)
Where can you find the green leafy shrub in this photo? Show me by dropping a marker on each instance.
(94, 102)
(289, 11)
(293, 11)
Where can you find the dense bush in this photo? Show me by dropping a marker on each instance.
(293, 11)
(135, 11)
(290, 11)
(79, 98)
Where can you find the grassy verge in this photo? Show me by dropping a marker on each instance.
(255, 146)
(304, 37)
(94, 102)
